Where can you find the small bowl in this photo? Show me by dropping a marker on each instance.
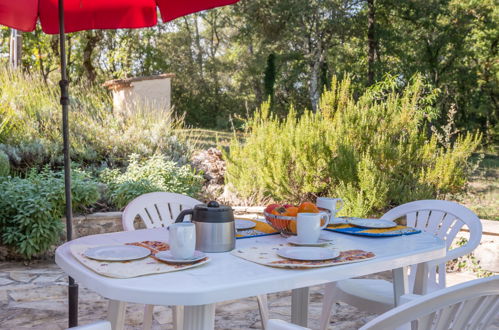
(284, 224)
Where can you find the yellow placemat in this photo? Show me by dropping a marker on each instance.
(261, 229)
(128, 269)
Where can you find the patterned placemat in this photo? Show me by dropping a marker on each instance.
(387, 232)
(133, 268)
(261, 229)
(266, 255)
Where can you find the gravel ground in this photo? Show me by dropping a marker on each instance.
(34, 297)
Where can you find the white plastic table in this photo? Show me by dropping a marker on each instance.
(228, 277)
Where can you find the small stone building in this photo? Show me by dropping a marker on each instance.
(151, 93)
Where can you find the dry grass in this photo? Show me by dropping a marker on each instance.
(206, 138)
(482, 195)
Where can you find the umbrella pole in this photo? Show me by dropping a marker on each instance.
(73, 287)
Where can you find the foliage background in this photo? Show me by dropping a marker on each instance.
(229, 60)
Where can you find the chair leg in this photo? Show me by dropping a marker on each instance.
(178, 317)
(147, 323)
(264, 309)
(328, 303)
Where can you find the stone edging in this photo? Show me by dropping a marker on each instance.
(112, 220)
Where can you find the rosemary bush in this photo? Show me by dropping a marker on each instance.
(374, 151)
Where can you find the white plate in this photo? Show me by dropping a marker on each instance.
(371, 223)
(244, 224)
(168, 257)
(308, 253)
(294, 240)
(338, 221)
(117, 252)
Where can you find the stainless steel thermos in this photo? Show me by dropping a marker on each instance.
(215, 228)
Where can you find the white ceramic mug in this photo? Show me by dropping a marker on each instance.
(334, 205)
(182, 240)
(308, 226)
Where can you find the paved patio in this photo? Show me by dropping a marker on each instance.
(34, 297)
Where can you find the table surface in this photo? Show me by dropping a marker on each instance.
(228, 277)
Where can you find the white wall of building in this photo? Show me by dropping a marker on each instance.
(144, 95)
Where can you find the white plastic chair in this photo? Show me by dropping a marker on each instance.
(160, 209)
(442, 218)
(157, 210)
(275, 324)
(99, 325)
(470, 305)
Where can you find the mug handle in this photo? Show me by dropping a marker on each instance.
(324, 216)
(182, 214)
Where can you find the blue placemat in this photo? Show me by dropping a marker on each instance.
(351, 230)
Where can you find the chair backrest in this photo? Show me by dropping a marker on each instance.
(444, 219)
(275, 324)
(99, 325)
(157, 209)
(470, 305)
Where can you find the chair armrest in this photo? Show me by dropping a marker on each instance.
(408, 298)
(452, 254)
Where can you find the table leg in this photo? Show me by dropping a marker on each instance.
(400, 284)
(299, 306)
(116, 314)
(178, 317)
(421, 279)
(200, 317)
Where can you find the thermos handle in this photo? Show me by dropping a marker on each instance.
(182, 214)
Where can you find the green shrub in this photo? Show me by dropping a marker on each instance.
(373, 152)
(4, 164)
(30, 126)
(155, 173)
(31, 208)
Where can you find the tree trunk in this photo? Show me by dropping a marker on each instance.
(40, 58)
(372, 42)
(198, 46)
(269, 78)
(92, 38)
(315, 78)
(16, 46)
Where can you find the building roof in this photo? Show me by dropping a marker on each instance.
(123, 83)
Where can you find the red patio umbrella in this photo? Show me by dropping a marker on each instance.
(60, 16)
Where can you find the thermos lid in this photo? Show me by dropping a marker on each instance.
(213, 212)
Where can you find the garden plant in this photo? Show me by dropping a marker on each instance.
(375, 151)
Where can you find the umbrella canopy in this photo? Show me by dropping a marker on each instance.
(97, 14)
